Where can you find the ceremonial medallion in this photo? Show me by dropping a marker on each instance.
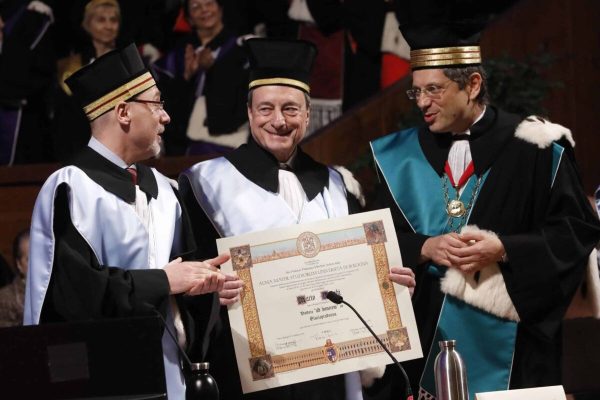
(456, 208)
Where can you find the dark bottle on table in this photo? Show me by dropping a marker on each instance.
(201, 385)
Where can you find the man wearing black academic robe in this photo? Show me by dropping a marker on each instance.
(543, 220)
(260, 171)
(92, 257)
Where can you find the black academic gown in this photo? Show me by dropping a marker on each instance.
(261, 168)
(548, 233)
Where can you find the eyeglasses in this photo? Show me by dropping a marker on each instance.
(159, 104)
(195, 4)
(432, 91)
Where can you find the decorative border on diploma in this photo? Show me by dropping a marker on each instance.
(397, 340)
(308, 245)
(376, 238)
(241, 259)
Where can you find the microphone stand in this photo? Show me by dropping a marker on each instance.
(337, 299)
(203, 385)
(187, 360)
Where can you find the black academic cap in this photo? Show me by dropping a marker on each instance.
(116, 76)
(280, 62)
(446, 33)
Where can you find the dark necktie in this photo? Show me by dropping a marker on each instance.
(133, 173)
(285, 167)
(462, 136)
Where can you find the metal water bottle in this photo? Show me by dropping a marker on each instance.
(450, 373)
(201, 385)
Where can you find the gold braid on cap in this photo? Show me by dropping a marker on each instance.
(280, 81)
(444, 56)
(124, 92)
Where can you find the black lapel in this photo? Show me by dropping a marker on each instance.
(435, 146)
(260, 167)
(313, 176)
(147, 181)
(256, 164)
(490, 134)
(113, 178)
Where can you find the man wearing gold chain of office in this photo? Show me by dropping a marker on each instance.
(489, 211)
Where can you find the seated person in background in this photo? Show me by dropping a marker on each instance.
(101, 23)
(12, 296)
(26, 80)
(206, 79)
(108, 234)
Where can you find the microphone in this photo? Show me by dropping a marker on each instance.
(185, 357)
(337, 299)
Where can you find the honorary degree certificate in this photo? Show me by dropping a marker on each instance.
(286, 331)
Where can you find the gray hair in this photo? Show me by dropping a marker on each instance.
(462, 75)
(306, 98)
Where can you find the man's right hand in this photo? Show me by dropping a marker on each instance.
(438, 248)
(195, 277)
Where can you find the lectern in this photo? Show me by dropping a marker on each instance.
(108, 359)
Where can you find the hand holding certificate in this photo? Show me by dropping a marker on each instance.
(286, 331)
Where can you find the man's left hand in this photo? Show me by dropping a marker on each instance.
(232, 290)
(483, 249)
(403, 276)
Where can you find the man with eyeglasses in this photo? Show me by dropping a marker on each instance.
(108, 234)
(489, 210)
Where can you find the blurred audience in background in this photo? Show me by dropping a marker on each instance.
(12, 295)
(26, 78)
(361, 51)
(204, 80)
(195, 47)
(101, 22)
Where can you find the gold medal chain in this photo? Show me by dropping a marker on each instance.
(464, 215)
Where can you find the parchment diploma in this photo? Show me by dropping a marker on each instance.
(285, 330)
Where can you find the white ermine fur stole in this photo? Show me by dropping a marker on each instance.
(542, 132)
(488, 294)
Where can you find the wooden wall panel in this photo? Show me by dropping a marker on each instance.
(569, 30)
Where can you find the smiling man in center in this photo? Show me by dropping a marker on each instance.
(268, 183)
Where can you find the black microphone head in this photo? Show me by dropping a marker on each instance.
(334, 297)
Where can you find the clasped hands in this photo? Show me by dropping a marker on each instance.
(469, 252)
